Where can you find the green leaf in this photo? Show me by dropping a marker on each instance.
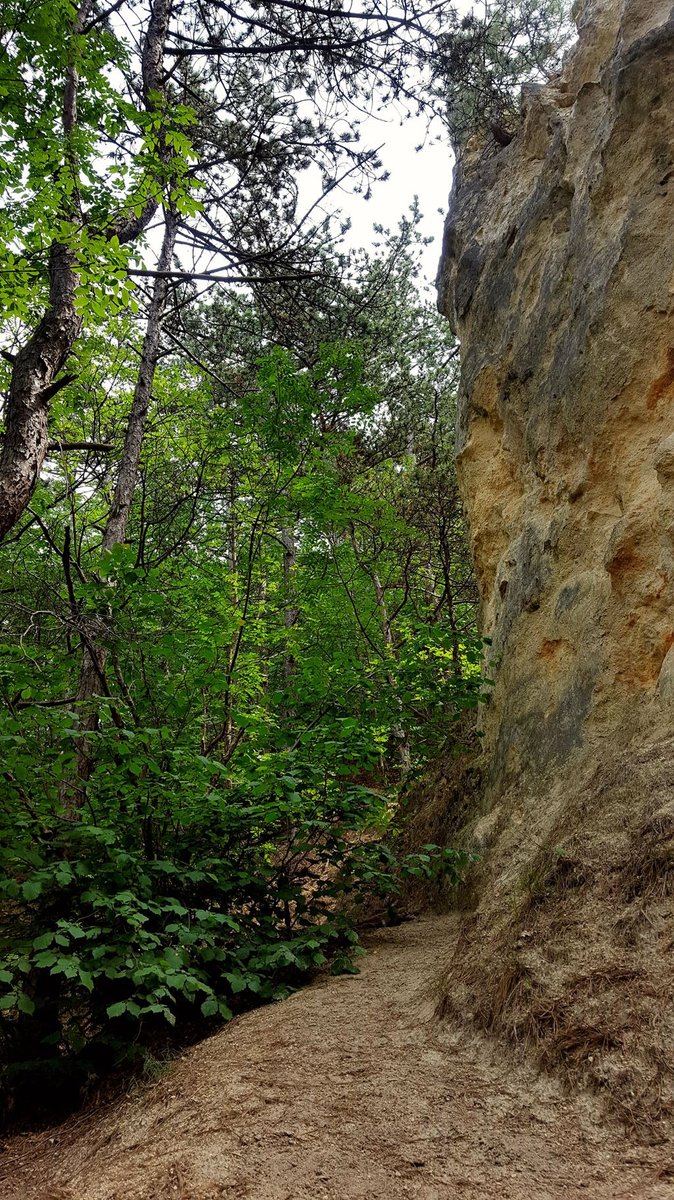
(45, 958)
(236, 981)
(122, 1007)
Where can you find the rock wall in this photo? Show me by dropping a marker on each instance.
(558, 277)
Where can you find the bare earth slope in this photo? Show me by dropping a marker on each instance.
(350, 1089)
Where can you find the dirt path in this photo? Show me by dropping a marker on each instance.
(347, 1091)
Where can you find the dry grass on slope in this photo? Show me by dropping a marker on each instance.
(570, 953)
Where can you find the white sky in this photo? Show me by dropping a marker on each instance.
(426, 173)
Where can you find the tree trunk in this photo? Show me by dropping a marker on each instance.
(34, 373)
(291, 610)
(92, 673)
(399, 730)
(233, 564)
(118, 517)
(32, 385)
(38, 363)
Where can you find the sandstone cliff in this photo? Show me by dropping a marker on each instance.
(558, 277)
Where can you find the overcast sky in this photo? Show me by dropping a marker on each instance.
(426, 173)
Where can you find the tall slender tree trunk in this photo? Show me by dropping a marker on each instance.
(92, 673)
(291, 611)
(449, 603)
(399, 730)
(118, 517)
(233, 564)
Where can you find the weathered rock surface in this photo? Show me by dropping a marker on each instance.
(558, 276)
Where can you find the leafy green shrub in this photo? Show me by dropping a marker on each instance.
(181, 893)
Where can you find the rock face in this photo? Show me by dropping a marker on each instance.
(558, 277)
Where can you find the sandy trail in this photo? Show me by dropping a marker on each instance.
(347, 1091)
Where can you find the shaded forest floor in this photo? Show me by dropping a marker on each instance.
(350, 1090)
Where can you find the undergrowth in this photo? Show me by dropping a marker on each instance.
(182, 894)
